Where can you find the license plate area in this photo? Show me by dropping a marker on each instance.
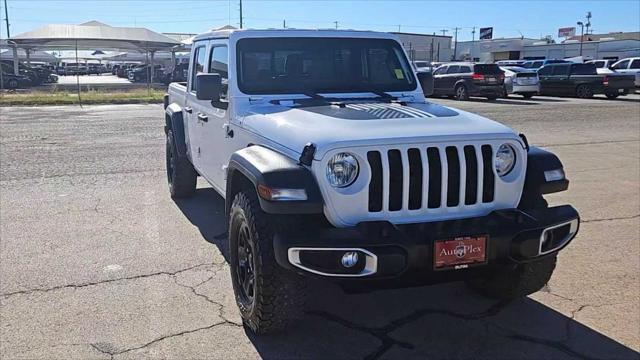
(460, 252)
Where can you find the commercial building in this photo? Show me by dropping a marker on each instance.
(434, 48)
(529, 49)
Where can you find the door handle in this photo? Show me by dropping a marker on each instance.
(188, 109)
(228, 133)
(202, 117)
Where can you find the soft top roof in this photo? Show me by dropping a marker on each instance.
(235, 34)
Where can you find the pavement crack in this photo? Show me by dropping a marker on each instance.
(383, 333)
(93, 283)
(611, 219)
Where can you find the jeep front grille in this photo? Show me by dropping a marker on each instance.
(430, 178)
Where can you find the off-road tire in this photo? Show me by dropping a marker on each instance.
(584, 91)
(12, 84)
(611, 95)
(461, 93)
(516, 281)
(527, 96)
(181, 175)
(278, 294)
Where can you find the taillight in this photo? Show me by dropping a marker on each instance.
(476, 76)
(605, 81)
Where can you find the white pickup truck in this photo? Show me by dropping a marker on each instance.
(333, 165)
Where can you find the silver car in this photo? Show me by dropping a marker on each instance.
(520, 81)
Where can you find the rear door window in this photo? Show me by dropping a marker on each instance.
(635, 64)
(583, 69)
(465, 69)
(441, 70)
(453, 69)
(560, 70)
(621, 65)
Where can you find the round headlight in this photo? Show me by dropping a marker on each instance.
(505, 159)
(342, 170)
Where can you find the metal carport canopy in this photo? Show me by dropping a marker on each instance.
(94, 36)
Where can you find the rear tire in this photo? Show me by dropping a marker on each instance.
(461, 93)
(268, 296)
(527, 96)
(181, 175)
(611, 94)
(584, 91)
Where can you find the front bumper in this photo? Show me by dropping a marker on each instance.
(404, 253)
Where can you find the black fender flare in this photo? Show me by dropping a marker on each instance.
(266, 167)
(535, 183)
(175, 123)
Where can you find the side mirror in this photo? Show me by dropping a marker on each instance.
(426, 81)
(208, 87)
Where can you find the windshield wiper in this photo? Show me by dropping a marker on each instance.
(314, 95)
(382, 94)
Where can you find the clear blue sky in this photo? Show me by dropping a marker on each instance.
(509, 18)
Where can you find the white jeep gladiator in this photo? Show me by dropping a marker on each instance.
(332, 165)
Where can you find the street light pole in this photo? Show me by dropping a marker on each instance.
(581, 35)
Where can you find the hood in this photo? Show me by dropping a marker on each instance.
(367, 123)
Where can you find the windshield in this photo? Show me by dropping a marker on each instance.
(317, 65)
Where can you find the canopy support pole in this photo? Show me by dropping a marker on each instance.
(27, 53)
(78, 75)
(16, 68)
(147, 73)
(152, 69)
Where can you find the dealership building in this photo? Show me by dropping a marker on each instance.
(616, 46)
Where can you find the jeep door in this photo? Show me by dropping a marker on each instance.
(214, 116)
(193, 126)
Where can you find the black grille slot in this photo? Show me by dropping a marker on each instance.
(488, 182)
(435, 177)
(375, 186)
(471, 185)
(415, 179)
(453, 177)
(395, 180)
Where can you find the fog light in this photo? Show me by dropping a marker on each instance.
(349, 259)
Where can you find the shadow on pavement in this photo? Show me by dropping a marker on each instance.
(437, 322)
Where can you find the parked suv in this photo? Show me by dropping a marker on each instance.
(333, 166)
(583, 81)
(462, 80)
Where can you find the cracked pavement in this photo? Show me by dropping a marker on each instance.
(97, 262)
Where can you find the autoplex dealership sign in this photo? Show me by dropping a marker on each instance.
(567, 32)
(486, 33)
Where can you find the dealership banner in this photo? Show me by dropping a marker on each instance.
(486, 33)
(567, 32)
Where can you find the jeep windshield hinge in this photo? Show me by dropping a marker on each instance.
(308, 152)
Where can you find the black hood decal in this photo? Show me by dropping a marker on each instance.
(374, 111)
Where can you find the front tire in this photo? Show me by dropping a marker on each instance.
(181, 175)
(584, 92)
(268, 296)
(517, 281)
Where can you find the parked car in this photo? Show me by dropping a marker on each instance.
(463, 80)
(337, 168)
(521, 81)
(12, 81)
(536, 64)
(582, 80)
(510, 62)
(422, 65)
(114, 68)
(33, 76)
(123, 71)
(602, 66)
(630, 66)
(143, 72)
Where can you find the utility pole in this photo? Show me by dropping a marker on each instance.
(581, 24)
(284, 24)
(444, 32)
(6, 18)
(335, 22)
(399, 28)
(473, 43)
(240, 14)
(455, 46)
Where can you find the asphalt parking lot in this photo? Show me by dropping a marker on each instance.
(97, 261)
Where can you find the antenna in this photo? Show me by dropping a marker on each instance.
(241, 14)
